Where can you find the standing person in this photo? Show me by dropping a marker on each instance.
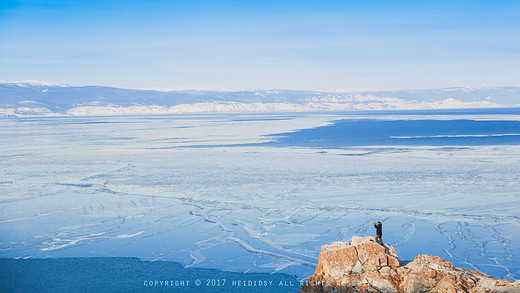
(379, 232)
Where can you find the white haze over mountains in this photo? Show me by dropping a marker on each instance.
(37, 98)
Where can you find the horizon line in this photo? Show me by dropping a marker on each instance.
(35, 82)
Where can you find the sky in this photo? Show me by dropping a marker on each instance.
(290, 44)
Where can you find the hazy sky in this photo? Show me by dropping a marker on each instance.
(290, 44)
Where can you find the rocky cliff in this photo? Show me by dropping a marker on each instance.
(365, 266)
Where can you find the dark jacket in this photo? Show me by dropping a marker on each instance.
(379, 228)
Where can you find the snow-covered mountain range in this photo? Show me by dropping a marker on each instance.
(36, 98)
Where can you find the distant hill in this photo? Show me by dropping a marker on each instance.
(34, 98)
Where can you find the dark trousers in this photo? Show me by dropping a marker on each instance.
(379, 239)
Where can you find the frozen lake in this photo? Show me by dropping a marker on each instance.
(262, 192)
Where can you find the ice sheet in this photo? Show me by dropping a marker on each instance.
(137, 187)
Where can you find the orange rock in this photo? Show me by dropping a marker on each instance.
(365, 266)
(337, 259)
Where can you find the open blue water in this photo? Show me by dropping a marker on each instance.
(253, 193)
(130, 275)
(372, 132)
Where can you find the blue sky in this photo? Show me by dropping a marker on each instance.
(317, 45)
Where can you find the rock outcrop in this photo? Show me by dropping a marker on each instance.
(365, 266)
